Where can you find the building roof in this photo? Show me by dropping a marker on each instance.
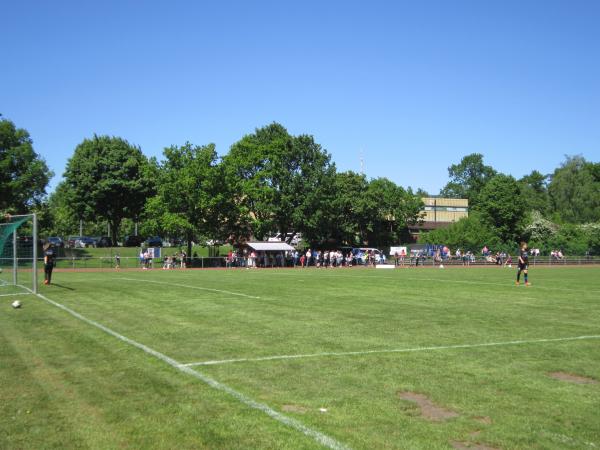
(270, 246)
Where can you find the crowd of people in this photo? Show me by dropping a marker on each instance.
(175, 261)
(146, 259)
(336, 258)
(310, 258)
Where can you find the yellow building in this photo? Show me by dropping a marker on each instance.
(440, 212)
(439, 209)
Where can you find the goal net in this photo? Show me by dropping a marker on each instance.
(18, 253)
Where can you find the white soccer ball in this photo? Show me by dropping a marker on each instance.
(441, 266)
(16, 304)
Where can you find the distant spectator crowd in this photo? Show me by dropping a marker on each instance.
(309, 258)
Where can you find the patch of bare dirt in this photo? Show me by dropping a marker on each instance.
(471, 446)
(294, 408)
(429, 410)
(572, 378)
(483, 419)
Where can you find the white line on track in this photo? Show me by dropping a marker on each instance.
(17, 293)
(319, 437)
(239, 294)
(396, 350)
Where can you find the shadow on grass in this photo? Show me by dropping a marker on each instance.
(62, 286)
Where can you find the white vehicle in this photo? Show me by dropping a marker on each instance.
(283, 238)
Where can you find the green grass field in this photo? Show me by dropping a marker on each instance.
(245, 359)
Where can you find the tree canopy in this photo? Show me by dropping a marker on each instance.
(502, 207)
(274, 183)
(467, 178)
(108, 179)
(574, 190)
(534, 190)
(280, 181)
(191, 199)
(24, 175)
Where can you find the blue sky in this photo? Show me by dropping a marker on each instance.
(413, 85)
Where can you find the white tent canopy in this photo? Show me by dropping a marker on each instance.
(270, 246)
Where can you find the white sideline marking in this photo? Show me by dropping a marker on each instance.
(397, 350)
(189, 287)
(17, 293)
(321, 438)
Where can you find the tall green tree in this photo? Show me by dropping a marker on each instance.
(65, 220)
(468, 178)
(108, 179)
(361, 212)
(389, 210)
(346, 215)
(502, 207)
(574, 190)
(24, 175)
(535, 192)
(281, 182)
(191, 198)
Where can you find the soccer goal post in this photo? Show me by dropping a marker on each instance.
(19, 251)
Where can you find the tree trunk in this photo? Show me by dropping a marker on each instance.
(114, 230)
(189, 248)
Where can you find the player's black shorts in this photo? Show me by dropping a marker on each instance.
(524, 266)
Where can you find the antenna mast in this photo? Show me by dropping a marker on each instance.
(362, 163)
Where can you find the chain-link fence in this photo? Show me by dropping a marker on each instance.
(223, 262)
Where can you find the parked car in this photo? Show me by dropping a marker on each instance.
(173, 242)
(56, 241)
(103, 241)
(71, 241)
(84, 241)
(132, 241)
(154, 241)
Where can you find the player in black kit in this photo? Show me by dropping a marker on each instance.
(49, 255)
(523, 263)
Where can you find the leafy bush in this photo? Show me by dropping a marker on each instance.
(469, 233)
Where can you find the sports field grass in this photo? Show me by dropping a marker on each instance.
(352, 342)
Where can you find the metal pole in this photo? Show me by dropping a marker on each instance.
(80, 227)
(15, 257)
(35, 253)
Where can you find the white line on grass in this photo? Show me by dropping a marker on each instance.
(189, 287)
(17, 293)
(319, 437)
(396, 350)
